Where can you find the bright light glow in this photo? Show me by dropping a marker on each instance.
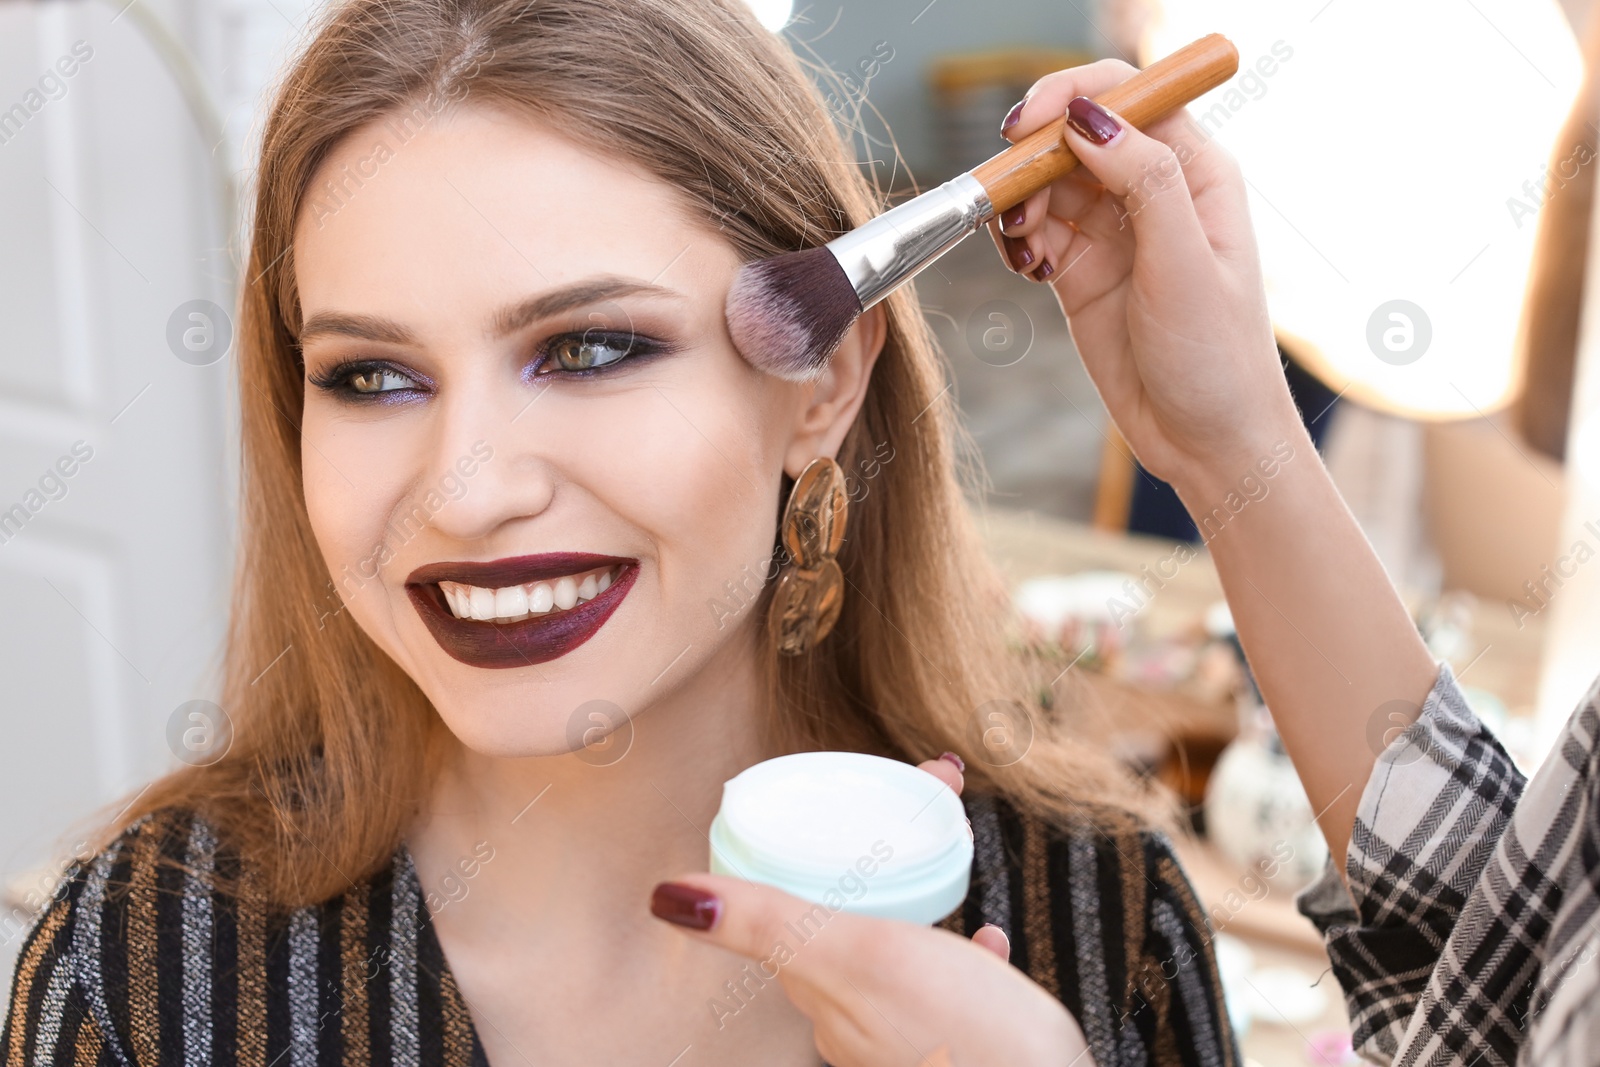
(1396, 151)
(1583, 454)
(774, 14)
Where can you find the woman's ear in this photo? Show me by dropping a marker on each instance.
(829, 405)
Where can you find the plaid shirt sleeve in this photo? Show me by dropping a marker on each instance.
(1432, 815)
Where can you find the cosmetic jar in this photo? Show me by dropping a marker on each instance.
(849, 831)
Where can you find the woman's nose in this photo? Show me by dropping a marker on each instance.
(490, 467)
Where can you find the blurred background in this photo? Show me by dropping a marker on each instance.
(1421, 180)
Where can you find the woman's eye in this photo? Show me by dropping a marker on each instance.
(378, 380)
(587, 351)
(353, 381)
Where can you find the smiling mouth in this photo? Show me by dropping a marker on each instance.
(513, 603)
(519, 611)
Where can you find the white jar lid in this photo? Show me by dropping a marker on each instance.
(847, 830)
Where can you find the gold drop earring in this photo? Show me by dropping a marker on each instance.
(811, 588)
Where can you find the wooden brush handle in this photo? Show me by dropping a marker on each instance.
(1153, 93)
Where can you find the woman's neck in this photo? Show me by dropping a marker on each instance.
(586, 839)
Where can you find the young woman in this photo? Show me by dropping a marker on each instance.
(511, 515)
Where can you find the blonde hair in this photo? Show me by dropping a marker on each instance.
(332, 741)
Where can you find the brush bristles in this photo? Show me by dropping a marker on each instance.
(787, 314)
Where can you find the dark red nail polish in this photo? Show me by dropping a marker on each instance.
(954, 759)
(685, 905)
(1013, 115)
(1014, 218)
(1045, 270)
(1092, 121)
(1018, 252)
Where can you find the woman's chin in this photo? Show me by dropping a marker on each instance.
(519, 722)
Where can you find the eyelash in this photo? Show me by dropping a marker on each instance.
(337, 380)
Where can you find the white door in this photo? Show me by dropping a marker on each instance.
(116, 462)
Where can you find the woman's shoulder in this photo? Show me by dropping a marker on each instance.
(1100, 912)
(162, 922)
(171, 877)
(128, 870)
(164, 854)
(65, 979)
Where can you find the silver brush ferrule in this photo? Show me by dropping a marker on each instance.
(881, 254)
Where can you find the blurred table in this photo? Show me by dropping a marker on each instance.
(1504, 659)
(1501, 658)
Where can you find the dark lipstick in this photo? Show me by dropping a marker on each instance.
(537, 639)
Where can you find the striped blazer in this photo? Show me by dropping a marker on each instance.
(138, 961)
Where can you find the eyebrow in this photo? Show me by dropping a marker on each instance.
(506, 320)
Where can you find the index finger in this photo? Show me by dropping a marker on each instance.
(761, 922)
(1047, 100)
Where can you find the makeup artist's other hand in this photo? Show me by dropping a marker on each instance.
(1150, 251)
(880, 992)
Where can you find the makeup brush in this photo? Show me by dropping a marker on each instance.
(787, 314)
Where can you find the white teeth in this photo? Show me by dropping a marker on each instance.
(541, 599)
(516, 602)
(510, 602)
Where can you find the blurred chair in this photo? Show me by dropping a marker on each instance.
(971, 88)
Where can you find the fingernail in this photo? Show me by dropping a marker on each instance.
(685, 905)
(1092, 121)
(1045, 270)
(1013, 115)
(1014, 218)
(1018, 252)
(953, 759)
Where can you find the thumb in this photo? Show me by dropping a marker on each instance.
(994, 939)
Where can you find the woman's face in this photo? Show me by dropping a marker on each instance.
(533, 460)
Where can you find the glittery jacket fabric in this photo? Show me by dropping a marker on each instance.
(138, 961)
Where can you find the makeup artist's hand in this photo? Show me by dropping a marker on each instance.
(1155, 264)
(1150, 251)
(880, 992)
